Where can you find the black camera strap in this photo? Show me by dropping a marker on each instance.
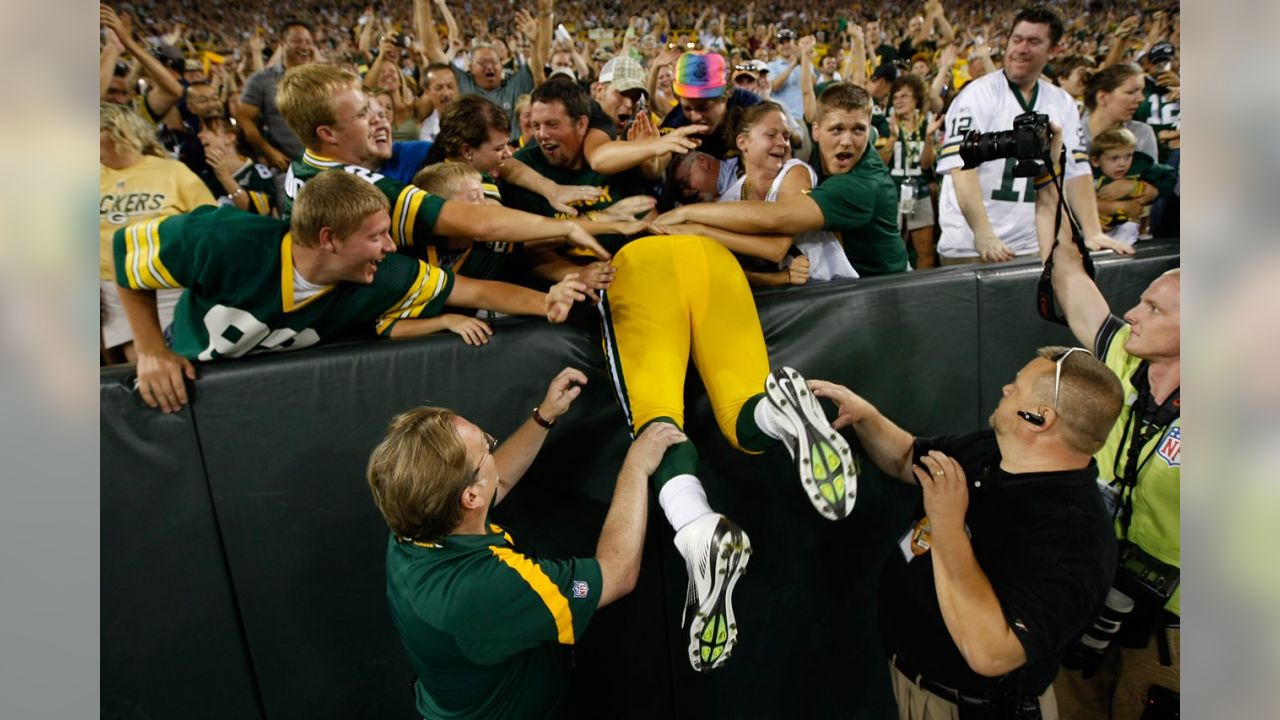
(1146, 421)
(1044, 290)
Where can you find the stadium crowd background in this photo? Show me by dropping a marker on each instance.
(210, 52)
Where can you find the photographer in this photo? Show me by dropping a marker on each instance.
(987, 213)
(1010, 553)
(1139, 474)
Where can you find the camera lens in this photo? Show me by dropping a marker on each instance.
(1087, 655)
(978, 147)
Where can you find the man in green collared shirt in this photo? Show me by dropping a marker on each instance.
(486, 626)
(855, 198)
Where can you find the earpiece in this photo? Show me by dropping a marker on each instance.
(1031, 417)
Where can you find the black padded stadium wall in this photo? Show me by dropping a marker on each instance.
(242, 571)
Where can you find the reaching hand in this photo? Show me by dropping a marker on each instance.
(473, 330)
(583, 239)
(798, 271)
(808, 46)
(565, 387)
(119, 23)
(628, 208)
(946, 494)
(850, 407)
(598, 276)
(112, 41)
(642, 128)
(563, 197)
(647, 450)
(527, 24)
(992, 249)
(678, 140)
(160, 379)
(561, 297)
(671, 218)
(1102, 242)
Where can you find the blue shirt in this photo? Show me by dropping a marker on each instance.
(407, 158)
(790, 94)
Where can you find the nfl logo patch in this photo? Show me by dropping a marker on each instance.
(1171, 447)
(580, 589)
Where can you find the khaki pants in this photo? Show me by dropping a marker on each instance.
(1118, 690)
(916, 703)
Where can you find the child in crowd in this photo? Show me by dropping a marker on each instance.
(1111, 154)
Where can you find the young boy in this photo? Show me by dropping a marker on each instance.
(465, 256)
(1111, 154)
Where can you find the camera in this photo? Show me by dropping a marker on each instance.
(1087, 654)
(1027, 142)
(404, 40)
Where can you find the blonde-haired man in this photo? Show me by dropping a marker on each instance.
(486, 626)
(332, 116)
(257, 284)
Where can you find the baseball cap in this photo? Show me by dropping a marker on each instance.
(750, 68)
(624, 73)
(785, 34)
(567, 72)
(1161, 52)
(886, 71)
(699, 75)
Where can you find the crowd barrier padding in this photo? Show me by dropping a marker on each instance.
(243, 557)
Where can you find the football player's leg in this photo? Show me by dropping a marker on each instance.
(728, 344)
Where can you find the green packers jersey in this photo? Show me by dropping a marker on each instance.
(479, 260)
(256, 179)
(486, 626)
(862, 206)
(905, 163)
(1156, 525)
(612, 189)
(239, 276)
(413, 211)
(1159, 113)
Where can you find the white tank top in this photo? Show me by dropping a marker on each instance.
(827, 259)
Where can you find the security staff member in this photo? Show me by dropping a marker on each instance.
(1011, 554)
(1140, 471)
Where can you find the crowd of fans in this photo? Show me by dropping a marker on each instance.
(420, 167)
(204, 76)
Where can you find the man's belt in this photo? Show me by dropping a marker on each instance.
(946, 693)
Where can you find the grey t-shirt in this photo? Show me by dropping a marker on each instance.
(505, 95)
(260, 91)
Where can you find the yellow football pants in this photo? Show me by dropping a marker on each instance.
(675, 296)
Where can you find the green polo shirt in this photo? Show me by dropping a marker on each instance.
(486, 626)
(862, 207)
(1156, 526)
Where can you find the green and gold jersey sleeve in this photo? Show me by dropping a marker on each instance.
(426, 288)
(157, 254)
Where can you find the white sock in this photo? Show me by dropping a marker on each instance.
(683, 500)
(766, 417)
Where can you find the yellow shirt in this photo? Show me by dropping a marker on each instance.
(152, 187)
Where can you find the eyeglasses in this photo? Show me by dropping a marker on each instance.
(491, 444)
(1057, 372)
(361, 114)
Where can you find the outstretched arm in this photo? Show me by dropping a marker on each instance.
(886, 444)
(514, 456)
(789, 216)
(622, 537)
